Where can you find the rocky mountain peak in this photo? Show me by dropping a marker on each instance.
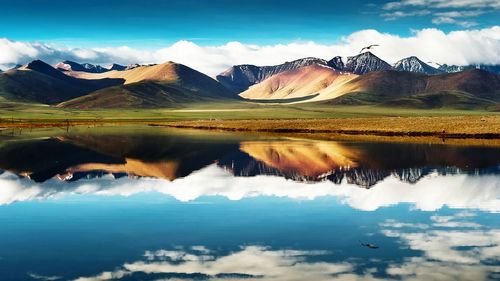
(364, 63)
(117, 67)
(68, 65)
(336, 63)
(414, 64)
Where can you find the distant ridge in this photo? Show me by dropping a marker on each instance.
(84, 67)
(117, 67)
(465, 90)
(41, 83)
(495, 68)
(414, 64)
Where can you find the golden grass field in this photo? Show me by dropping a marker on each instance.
(315, 120)
(445, 126)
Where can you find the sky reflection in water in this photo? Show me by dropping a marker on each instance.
(175, 206)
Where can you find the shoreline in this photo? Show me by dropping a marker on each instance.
(443, 127)
(345, 132)
(454, 127)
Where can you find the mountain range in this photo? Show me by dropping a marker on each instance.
(364, 79)
(239, 78)
(41, 83)
(162, 85)
(85, 67)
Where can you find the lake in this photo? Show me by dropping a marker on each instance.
(143, 203)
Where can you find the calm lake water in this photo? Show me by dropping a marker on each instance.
(162, 204)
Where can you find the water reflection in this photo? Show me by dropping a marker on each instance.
(430, 193)
(466, 251)
(177, 205)
(308, 159)
(170, 156)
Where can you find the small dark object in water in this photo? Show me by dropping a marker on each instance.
(368, 245)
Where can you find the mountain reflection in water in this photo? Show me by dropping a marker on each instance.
(170, 156)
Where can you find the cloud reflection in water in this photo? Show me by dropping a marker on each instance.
(459, 254)
(430, 193)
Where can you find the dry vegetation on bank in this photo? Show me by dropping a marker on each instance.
(450, 127)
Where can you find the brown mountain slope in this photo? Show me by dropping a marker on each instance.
(313, 80)
(475, 81)
(164, 85)
(165, 72)
(467, 89)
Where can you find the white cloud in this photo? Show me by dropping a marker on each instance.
(453, 222)
(456, 17)
(401, 14)
(495, 4)
(390, 223)
(443, 11)
(456, 47)
(459, 14)
(449, 20)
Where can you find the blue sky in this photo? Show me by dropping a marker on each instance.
(212, 35)
(153, 23)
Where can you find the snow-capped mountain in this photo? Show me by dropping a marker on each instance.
(84, 67)
(132, 66)
(94, 68)
(239, 77)
(495, 68)
(364, 63)
(117, 67)
(414, 64)
(451, 68)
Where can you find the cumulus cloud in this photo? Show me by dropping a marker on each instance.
(456, 47)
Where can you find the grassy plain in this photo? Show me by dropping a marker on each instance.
(245, 116)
